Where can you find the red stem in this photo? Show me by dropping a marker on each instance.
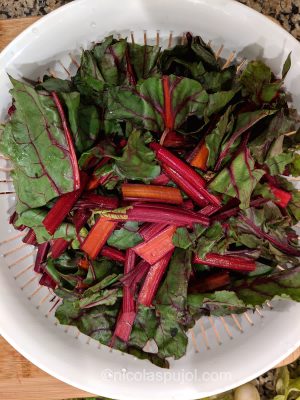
(153, 279)
(59, 247)
(210, 283)
(147, 231)
(284, 247)
(47, 281)
(69, 139)
(228, 262)
(158, 213)
(62, 207)
(135, 276)
(30, 238)
(130, 72)
(113, 254)
(186, 186)
(231, 212)
(41, 257)
(93, 200)
(126, 318)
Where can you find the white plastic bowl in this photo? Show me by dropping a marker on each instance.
(247, 348)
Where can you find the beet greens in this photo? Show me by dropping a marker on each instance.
(154, 184)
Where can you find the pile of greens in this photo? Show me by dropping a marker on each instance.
(155, 186)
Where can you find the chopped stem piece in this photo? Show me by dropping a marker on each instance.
(157, 247)
(153, 279)
(62, 207)
(98, 236)
(151, 193)
(228, 262)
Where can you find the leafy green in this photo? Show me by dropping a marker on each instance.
(143, 59)
(110, 58)
(255, 291)
(239, 179)
(33, 218)
(257, 80)
(89, 80)
(147, 105)
(36, 144)
(214, 139)
(126, 237)
(84, 121)
(218, 303)
(171, 307)
(137, 161)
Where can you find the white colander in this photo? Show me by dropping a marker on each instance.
(222, 352)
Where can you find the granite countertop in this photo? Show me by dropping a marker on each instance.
(286, 12)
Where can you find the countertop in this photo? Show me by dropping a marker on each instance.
(286, 12)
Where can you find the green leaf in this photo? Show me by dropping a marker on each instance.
(106, 297)
(217, 101)
(286, 66)
(214, 139)
(294, 205)
(104, 283)
(184, 238)
(144, 327)
(295, 165)
(191, 59)
(110, 57)
(170, 336)
(256, 79)
(84, 121)
(35, 142)
(209, 240)
(216, 81)
(88, 79)
(124, 238)
(279, 125)
(102, 149)
(34, 219)
(219, 303)
(255, 291)
(171, 303)
(239, 179)
(97, 322)
(147, 104)
(278, 163)
(173, 290)
(143, 59)
(137, 161)
(55, 85)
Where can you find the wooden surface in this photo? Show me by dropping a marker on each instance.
(19, 379)
(10, 28)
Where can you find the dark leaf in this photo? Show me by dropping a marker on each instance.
(35, 142)
(137, 161)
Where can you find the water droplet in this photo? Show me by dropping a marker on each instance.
(93, 25)
(124, 370)
(9, 230)
(35, 31)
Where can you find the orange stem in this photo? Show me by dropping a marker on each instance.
(98, 236)
(153, 193)
(200, 157)
(154, 249)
